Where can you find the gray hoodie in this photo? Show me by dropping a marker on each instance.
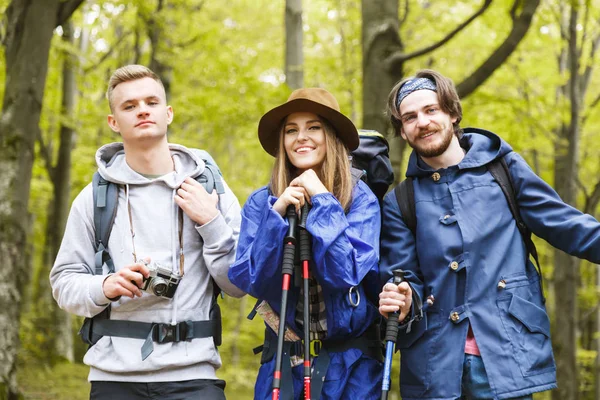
(209, 251)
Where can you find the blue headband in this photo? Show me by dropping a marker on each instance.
(412, 86)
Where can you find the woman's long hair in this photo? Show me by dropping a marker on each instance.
(334, 174)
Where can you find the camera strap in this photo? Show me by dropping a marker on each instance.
(180, 224)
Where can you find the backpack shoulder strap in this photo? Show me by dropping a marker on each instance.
(499, 170)
(211, 178)
(405, 196)
(106, 195)
(357, 175)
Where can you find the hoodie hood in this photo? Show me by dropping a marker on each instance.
(481, 147)
(113, 167)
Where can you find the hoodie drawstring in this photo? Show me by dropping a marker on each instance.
(130, 223)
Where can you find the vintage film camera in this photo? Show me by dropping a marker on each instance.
(161, 281)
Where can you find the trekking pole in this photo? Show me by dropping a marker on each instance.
(305, 257)
(287, 269)
(391, 333)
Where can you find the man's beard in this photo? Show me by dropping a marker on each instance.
(437, 149)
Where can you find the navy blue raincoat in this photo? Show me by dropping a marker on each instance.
(345, 254)
(467, 242)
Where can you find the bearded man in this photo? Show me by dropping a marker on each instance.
(483, 331)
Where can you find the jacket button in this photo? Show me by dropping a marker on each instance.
(454, 316)
(454, 265)
(435, 176)
(430, 299)
(502, 284)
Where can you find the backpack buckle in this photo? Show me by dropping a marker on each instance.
(165, 333)
(315, 347)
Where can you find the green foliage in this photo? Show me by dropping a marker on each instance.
(225, 64)
(65, 381)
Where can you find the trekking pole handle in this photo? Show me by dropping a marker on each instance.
(391, 330)
(304, 235)
(289, 249)
(391, 334)
(292, 219)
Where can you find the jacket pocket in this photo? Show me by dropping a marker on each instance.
(418, 328)
(351, 372)
(416, 354)
(528, 329)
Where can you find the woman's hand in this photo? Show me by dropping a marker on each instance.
(291, 195)
(310, 182)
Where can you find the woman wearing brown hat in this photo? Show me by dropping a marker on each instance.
(311, 140)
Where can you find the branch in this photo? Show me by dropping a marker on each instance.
(595, 102)
(587, 74)
(562, 23)
(406, 11)
(591, 201)
(520, 27)
(584, 35)
(45, 153)
(387, 28)
(66, 9)
(3, 29)
(188, 42)
(105, 56)
(395, 60)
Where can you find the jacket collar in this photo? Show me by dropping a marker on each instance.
(481, 147)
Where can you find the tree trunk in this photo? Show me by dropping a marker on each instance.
(161, 43)
(294, 60)
(29, 28)
(566, 268)
(56, 324)
(63, 342)
(380, 38)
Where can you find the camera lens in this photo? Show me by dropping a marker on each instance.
(159, 286)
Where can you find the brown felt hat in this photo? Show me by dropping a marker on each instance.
(315, 100)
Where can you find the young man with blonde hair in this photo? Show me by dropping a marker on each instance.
(150, 289)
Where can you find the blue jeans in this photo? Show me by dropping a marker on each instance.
(475, 383)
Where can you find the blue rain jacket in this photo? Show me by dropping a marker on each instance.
(467, 242)
(345, 250)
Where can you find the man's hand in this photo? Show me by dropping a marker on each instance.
(394, 298)
(126, 281)
(196, 202)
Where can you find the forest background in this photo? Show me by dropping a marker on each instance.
(526, 69)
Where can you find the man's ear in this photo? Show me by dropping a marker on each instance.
(402, 133)
(169, 115)
(112, 123)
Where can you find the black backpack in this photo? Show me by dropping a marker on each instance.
(371, 162)
(405, 196)
(106, 196)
